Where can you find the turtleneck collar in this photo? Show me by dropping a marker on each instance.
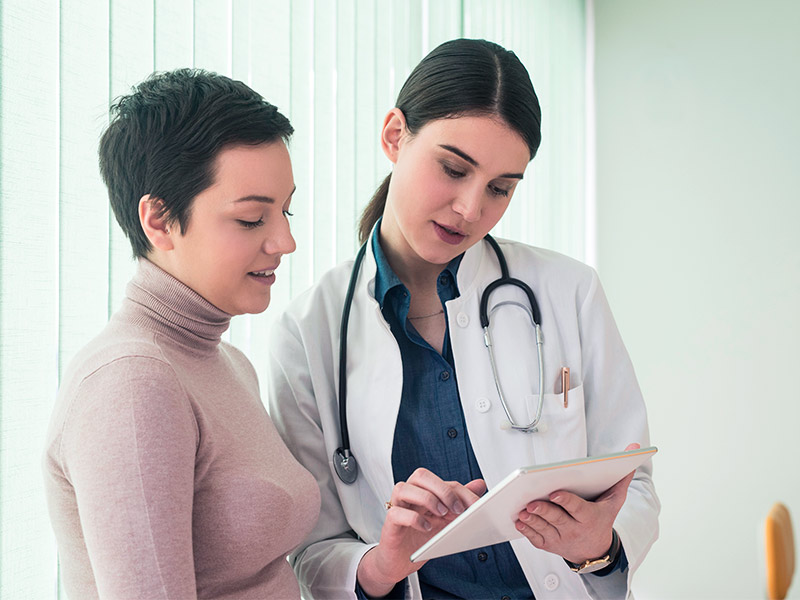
(157, 301)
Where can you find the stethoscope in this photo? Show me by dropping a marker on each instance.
(343, 460)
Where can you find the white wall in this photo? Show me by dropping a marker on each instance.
(698, 172)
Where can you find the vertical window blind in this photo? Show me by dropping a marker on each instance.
(334, 67)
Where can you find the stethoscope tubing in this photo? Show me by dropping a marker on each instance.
(343, 460)
(505, 280)
(536, 318)
(348, 302)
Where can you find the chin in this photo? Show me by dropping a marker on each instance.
(253, 307)
(440, 256)
(257, 307)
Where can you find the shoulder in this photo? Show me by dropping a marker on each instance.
(119, 366)
(119, 373)
(109, 386)
(308, 329)
(115, 350)
(118, 384)
(548, 266)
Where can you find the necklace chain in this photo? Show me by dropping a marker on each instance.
(439, 312)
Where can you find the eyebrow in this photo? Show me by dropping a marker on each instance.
(264, 199)
(474, 163)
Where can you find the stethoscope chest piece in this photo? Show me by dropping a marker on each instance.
(345, 465)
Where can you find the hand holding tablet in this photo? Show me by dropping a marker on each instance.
(492, 519)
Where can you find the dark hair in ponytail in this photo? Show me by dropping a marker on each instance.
(464, 77)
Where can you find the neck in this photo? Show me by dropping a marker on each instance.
(161, 260)
(416, 274)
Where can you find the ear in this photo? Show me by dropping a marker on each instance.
(154, 223)
(393, 132)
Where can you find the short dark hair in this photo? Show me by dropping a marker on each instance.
(164, 137)
(458, 78)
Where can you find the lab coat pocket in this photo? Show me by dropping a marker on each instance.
(562, 431)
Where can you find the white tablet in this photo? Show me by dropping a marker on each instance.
(491, 519)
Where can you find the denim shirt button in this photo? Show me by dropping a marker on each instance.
(445, 375)
(452, 433)
(482, 556)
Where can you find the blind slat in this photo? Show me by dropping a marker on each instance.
(29, 155)
(334, 68)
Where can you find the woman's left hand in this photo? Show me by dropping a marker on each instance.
(574, 528)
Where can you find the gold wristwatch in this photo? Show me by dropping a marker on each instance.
(595, 564)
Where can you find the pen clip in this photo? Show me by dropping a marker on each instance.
(565, 384)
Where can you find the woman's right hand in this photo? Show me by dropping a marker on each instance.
(419, 508)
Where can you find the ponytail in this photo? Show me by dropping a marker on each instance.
(373, 210)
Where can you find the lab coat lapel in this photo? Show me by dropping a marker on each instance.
(373, 397)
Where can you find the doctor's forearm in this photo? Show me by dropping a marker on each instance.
(372, 580)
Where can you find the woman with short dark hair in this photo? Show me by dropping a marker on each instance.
(165, 476)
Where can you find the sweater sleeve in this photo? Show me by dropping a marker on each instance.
(128, 449)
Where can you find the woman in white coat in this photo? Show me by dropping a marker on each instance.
(425, 420)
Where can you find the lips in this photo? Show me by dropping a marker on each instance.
(263, 276)
(449, 235)
(264, 273)
(452, 230)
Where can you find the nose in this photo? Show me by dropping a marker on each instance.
(279, 239)
(469, 204)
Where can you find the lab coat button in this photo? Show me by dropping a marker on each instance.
(462, 319)
(551, 582)
(483, 405)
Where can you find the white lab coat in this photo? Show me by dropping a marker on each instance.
(605, 411)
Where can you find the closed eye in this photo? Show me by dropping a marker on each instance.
(451, 172)
(497, 191)
(251, 224)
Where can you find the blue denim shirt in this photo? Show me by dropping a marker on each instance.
(431, 433)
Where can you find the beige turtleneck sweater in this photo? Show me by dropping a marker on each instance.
(165, 477)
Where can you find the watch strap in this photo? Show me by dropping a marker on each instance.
(593, 565)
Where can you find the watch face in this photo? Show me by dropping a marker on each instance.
(590, 566)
